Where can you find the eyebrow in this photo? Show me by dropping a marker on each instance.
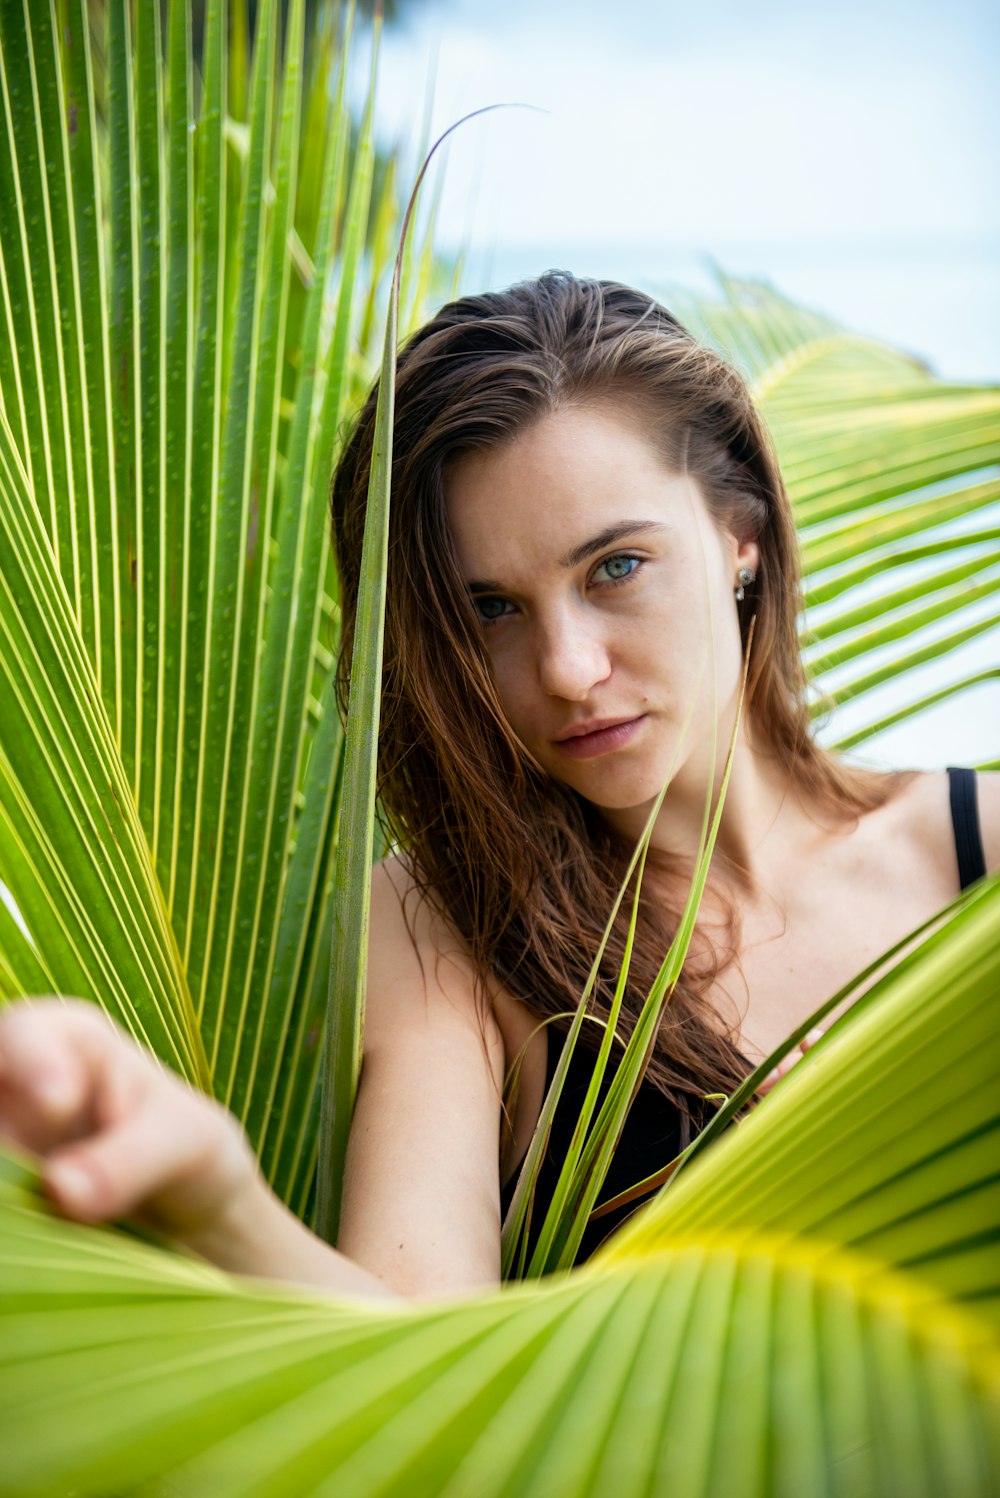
(607, 537)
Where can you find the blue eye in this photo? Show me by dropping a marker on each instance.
(490, 609)
(616, 569)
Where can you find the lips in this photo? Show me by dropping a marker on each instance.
(591, 725)
(597, 736)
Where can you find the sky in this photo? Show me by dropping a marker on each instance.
(850, 153)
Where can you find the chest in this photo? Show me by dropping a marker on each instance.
(801, 945)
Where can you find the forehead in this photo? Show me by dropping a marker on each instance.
(570, 475)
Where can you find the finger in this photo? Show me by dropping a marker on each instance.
(112, 1173)
(171, 1159)
(37, 1120)
(59, 1061)
(43, 1080)
(40, 1039)
(811, 1037)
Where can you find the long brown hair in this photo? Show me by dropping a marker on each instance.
(525, 870)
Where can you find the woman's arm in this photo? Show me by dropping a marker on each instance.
(421, 1206)
(118, 1136)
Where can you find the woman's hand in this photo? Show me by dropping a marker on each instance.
(785, 1065)
(116, 1135)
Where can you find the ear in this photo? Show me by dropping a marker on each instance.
(748, 554)
(745, 553)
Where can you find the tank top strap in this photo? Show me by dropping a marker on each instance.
(965, 823)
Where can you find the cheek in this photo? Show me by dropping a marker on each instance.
(681, 645)
(510, 679)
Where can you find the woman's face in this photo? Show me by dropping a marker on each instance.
(602, 584)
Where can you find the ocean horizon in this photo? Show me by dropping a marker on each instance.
(935, 298)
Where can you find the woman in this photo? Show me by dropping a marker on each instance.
(587, 516)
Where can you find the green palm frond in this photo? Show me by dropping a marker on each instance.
(182, 294)
(194, 272)
(805, 1310)
(895, 479)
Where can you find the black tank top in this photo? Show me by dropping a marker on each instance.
(652, 1133)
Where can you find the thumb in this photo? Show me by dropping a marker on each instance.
(173, 1160)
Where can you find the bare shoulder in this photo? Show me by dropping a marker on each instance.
(920, 816)
(421, 1184)
(918, 812)
(988, 791)
(420, 973)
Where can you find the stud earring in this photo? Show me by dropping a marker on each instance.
(744, 578)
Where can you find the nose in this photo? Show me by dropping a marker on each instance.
(573, 656)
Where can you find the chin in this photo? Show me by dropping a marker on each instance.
(621, 794)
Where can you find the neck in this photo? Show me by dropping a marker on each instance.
(760, 801)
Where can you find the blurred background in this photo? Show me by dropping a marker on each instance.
(849, 156)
